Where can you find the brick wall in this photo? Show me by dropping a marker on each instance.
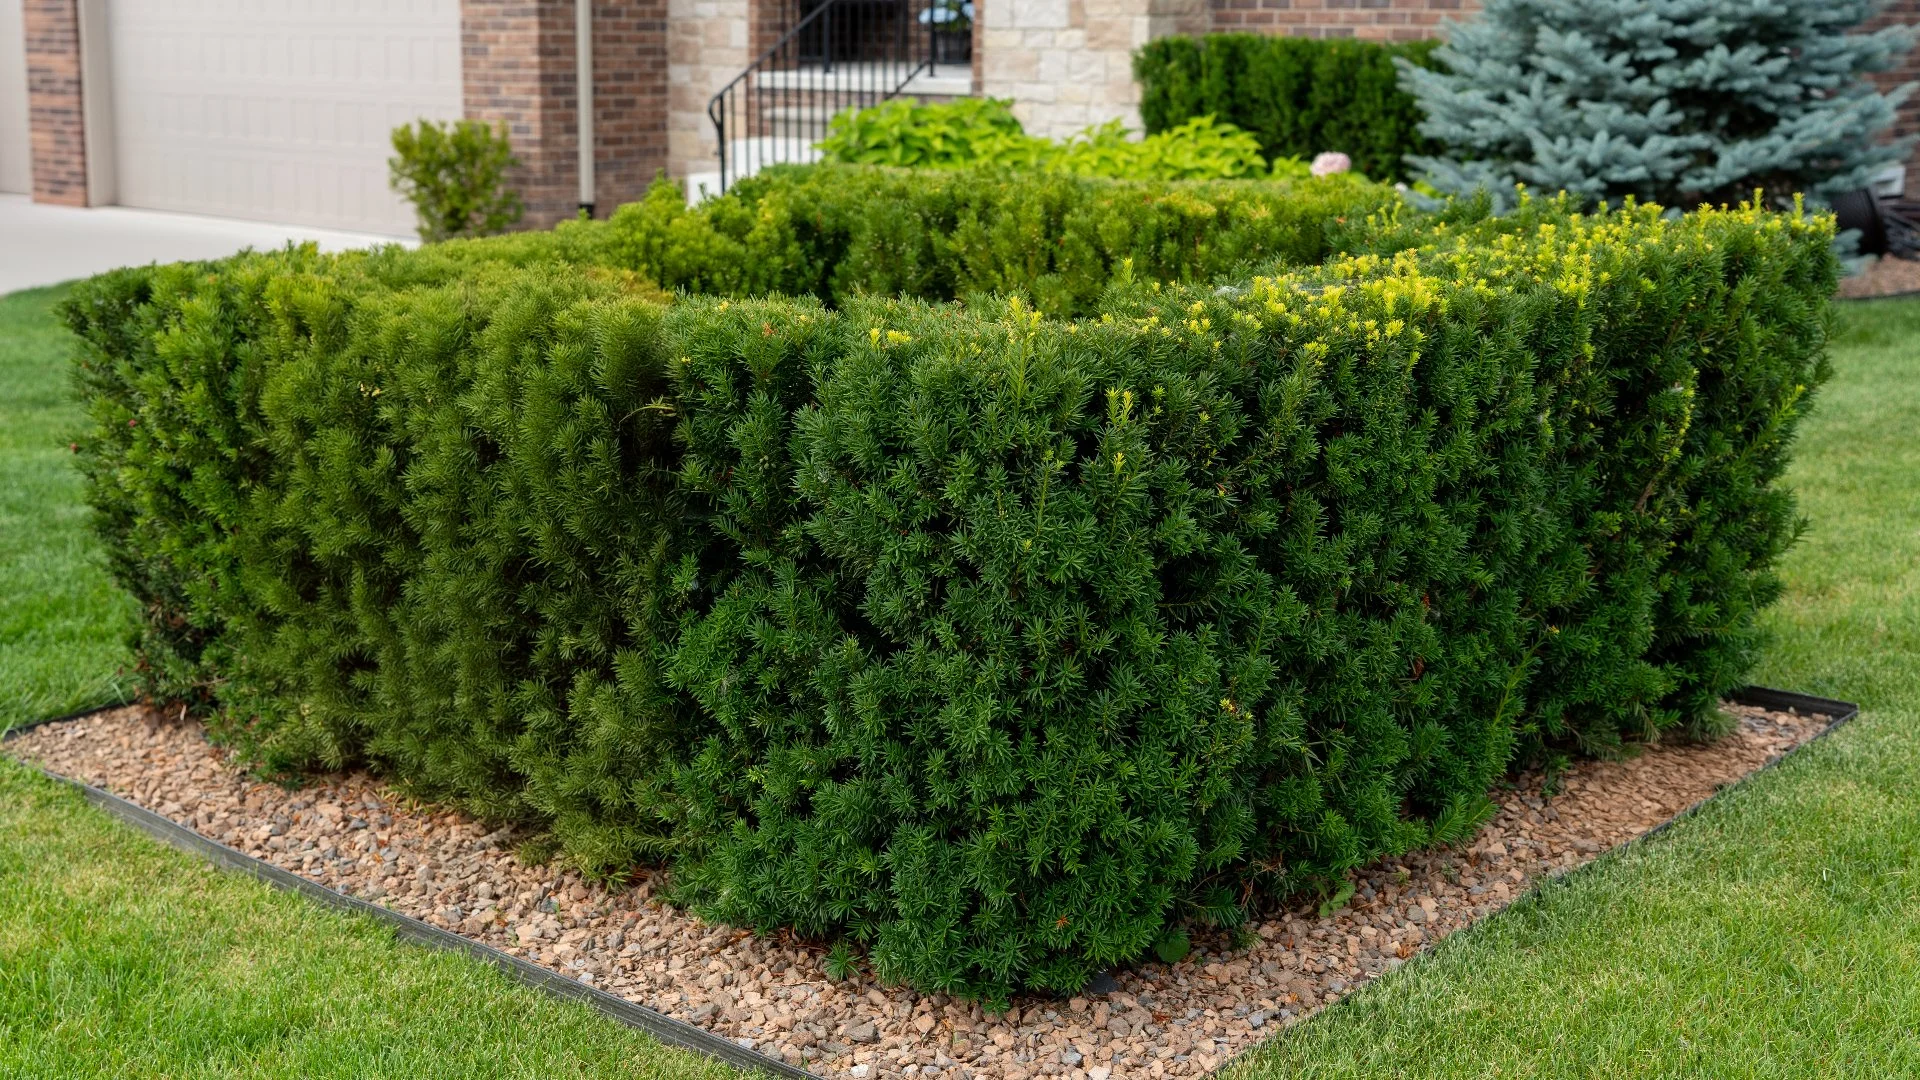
(1377, 20)
(1907, 12)
(55, 108)
(518, 66)
(630, 99)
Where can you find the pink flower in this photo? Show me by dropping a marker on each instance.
(1330, 162)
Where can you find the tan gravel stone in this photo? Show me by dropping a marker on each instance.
(353, 834)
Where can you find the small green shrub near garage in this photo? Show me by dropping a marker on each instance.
(1004, 642)
(455, 175)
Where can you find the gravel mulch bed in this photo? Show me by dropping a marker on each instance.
(1885, 276)
(1182, 1020)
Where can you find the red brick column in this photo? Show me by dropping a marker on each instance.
(630, 98)
(56, 115)
(1375, 20)
(1903, 12)
(518, 65)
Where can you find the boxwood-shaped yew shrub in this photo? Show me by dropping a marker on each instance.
(1002, 642)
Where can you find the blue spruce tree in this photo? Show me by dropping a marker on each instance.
(1677, 102)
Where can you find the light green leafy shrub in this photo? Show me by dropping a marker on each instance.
(455, 175)
(983, 131)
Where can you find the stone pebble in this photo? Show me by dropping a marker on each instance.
(356, 835)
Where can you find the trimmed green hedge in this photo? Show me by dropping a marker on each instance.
(1298, 96)
(1004, 644)
(839, 231)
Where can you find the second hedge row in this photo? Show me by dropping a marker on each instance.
(1004, 644)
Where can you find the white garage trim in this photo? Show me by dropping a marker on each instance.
(96, 102)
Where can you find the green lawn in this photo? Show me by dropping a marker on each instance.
(1778, 932)
(1775, 934)
(123, 958)
(62, 624)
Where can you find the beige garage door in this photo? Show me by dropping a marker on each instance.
(278, 110)
(16, 163)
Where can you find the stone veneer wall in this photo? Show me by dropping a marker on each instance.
(1069, 63)
(56, 117)
(708, 44)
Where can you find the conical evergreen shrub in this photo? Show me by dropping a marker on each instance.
(1678, 103)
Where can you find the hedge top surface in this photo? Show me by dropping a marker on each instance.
(841, 231)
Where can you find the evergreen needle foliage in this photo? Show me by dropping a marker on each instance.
(1676, 102)
(1006, 646)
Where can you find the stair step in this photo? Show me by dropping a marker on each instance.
(746, 157)
(879, 79)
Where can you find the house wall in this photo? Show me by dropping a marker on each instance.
(16, 146)
(708, 44)
(1374, 20)
(56, 112)
(518, 65)
(1068, 64)
(1897, 12)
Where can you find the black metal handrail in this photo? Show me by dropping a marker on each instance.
(839, 54)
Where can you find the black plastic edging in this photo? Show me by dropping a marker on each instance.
(1837, 713)
(1766, 697)
(661, 1026)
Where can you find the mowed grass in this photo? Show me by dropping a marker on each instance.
(1775, 934)
(63, 626)
(123, 958)
(120, 957)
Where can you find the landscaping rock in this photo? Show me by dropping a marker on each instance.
(352, 834)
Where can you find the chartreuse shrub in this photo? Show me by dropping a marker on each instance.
(1297, 96)
(1003, 644)
(839, 231)
(984, 131)
(455, 175)
(1707, 359)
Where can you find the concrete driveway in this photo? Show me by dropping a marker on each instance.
(45, 245)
